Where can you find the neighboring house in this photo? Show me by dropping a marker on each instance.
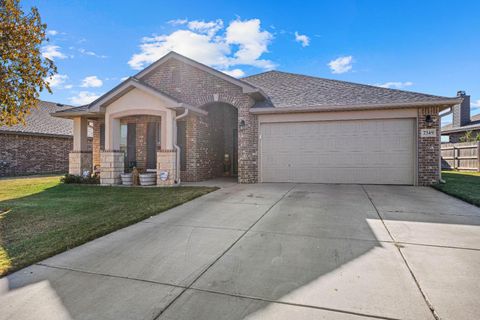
(461, 121)
(40, 146)
(183, 119)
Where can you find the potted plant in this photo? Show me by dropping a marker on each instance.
(148, 178)
(127, 179)
(127, 176)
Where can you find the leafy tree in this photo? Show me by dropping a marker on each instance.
(23, 70)
(467, 137)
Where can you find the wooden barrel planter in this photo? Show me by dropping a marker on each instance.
(148, 179)
(127, 179)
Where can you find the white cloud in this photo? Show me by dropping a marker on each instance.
(68, 86)
(476, 104)
(197, 46)
(124, 78)
(51, 52)
(91, 53)
(210, 27)
(83, 97)
(236, 73)
(252, 43)
(52, 32)
(341, 64)
(395, 84)
(57, 80)
(241, 43)
(91, 82)
(303, 39)
(176, 22)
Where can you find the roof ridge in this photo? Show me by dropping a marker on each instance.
(345, 82)
(58, 104)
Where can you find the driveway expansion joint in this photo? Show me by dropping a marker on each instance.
(293, 304)
(398, 246)
(108, 275)
(212, 291)
(223, 254)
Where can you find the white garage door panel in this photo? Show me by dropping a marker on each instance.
(357, 151)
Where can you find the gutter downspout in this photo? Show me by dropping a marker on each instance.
(177, 148)
(450, 110)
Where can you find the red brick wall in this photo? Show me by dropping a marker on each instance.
(29, 154)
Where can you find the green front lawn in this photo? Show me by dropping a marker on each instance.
(461, 184)
(40, 217)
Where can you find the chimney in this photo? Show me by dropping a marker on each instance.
(461, 112)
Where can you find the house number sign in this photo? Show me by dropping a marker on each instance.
(428, 133)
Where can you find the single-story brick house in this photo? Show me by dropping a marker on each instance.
(40, 146)
(184, 119)
(462, 121)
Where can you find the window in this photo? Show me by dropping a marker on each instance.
(159, 135)
(102, 136)
(123, 137)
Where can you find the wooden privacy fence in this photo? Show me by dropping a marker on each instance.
(461, 156)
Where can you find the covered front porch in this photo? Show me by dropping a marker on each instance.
(122, 143)
(136, 130)
(150, 132)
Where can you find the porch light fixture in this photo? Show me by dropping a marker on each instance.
(241, 125)
(429, 120)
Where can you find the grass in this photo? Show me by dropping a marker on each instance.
(461, 184)
(40, 217)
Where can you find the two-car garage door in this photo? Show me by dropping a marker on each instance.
(380, 151)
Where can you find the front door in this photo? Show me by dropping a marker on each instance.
(128, 135)
(152, 144)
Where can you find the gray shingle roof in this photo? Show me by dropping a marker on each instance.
(295, 90)
(473, 124)
(39, 121)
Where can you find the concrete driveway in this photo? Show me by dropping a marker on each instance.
(270, 251)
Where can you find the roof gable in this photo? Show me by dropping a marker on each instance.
(246, 87)
(98, 106)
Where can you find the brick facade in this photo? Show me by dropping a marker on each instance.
(199, 88)
(96, 143)
(428, 148)
(209, 137)
(22, 154)
(141, 138)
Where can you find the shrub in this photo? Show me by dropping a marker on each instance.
(71, 178)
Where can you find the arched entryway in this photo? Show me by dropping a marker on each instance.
(209, 144)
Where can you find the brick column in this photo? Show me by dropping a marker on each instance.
(79, 161)
(247, 145)
(111, 166)
(166, 162)
(428, 148)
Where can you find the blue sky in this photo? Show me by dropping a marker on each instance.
(425, 46)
